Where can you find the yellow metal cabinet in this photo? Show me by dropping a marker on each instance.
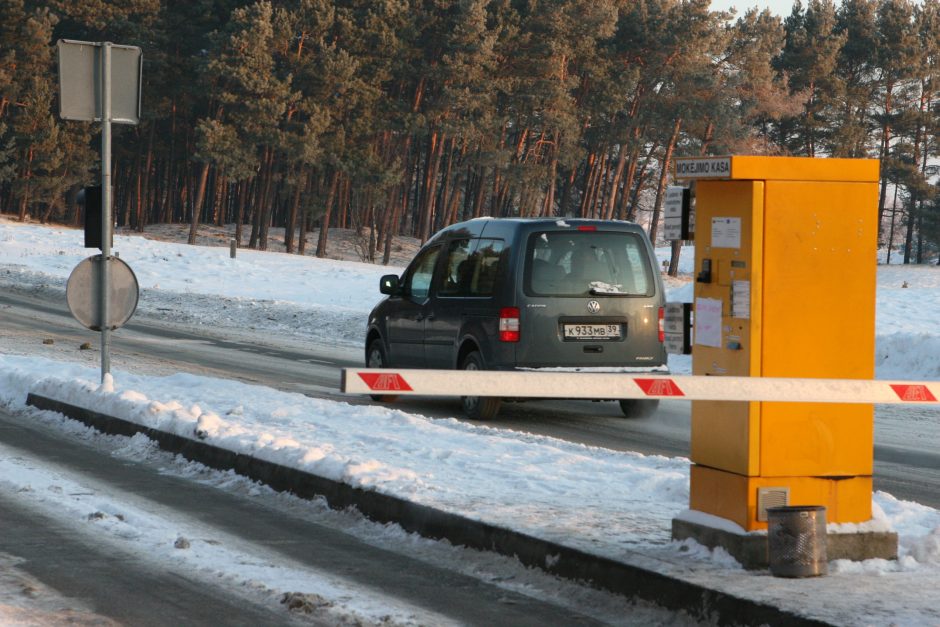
(785, 256)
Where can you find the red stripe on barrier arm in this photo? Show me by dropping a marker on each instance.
(914, 393)
(659, 387)
(382, 382)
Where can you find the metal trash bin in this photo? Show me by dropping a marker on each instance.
(796, 541)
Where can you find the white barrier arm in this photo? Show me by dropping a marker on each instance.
(613, 385)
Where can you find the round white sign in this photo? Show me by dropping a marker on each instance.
(82, 292)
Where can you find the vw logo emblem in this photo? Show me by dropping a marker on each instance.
(594, 306)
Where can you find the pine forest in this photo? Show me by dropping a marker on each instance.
(399, 117)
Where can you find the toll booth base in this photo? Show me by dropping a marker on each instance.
(750, 548)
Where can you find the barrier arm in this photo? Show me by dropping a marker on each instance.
(617, 385)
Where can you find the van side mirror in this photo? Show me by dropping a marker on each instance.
(388, 284)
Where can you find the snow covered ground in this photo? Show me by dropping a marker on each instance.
(610, 503)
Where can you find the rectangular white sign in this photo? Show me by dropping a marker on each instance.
(80, 81)
(741, 299)
(703, 167)
(726, 232)
(672, 213)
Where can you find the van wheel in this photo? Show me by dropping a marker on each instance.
(638, 408)
(375, 358)
(478, 407)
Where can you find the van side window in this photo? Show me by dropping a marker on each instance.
(470, 267)
(487, 255)
(420, 273)
(458, 269)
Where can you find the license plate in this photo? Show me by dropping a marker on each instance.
(591, 331)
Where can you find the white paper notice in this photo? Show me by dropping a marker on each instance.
(708, 322)
(726, 232)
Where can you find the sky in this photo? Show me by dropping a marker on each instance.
(617, 504)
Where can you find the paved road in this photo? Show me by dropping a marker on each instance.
(123, 588)
(907, 467)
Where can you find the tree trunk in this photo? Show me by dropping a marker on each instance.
(480, 193)
(597, 204)
(623, 209)
(587, 181)
(663, 175)
(325, 219)
(615, 183)
(428, 191)
(145, 201)
(443, 215)
(255, 208)
(894, 211)
(641, 176)
(883, 156)
(197, 204)
(396, 205)
(909, 236)
(292, 220)
(264, 220)
(218, 200)
(27, 175)
(305, 216)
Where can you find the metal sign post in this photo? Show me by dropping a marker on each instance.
(87, 72)
(103, 291)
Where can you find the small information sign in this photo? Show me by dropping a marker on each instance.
(741, 299)
(677, 331)
(80, 82)
(676, 214)
(703, 167)
(726, 232)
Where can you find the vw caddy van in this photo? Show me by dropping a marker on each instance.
(529, 294)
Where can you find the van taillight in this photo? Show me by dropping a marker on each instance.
(662, 325)
(509, 324)
(587, 227)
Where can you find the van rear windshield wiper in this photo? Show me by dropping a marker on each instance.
(599, 288)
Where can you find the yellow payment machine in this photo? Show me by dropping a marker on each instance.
(785, 258)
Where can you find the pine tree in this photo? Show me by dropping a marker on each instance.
(853, 132)
(809, 57)
(752, 95)
(252, 101)
(896, 50)
(38, 160)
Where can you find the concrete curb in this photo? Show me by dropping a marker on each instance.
(618, 577)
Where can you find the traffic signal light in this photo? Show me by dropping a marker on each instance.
(90, 200)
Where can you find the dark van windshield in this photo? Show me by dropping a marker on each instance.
(579, 263)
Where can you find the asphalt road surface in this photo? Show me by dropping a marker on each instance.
(127, 590)
(908, 468)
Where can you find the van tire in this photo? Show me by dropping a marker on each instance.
(375, 358)
(478, 407)
(638, 408)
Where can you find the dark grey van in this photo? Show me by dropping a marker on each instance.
(527, 293)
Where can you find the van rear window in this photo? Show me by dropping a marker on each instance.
(580, 263)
